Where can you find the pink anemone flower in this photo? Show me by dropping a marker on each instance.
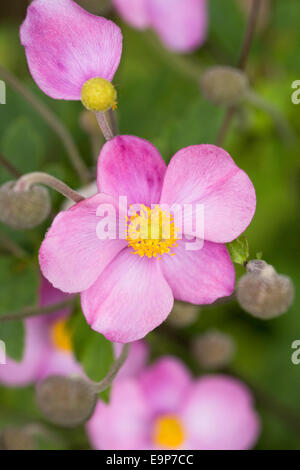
(163, 407)
(180, 24)
(128, 284)
(48, 348)
(66, 47)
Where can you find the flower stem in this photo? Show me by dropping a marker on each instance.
(9, 167)
(53, 121)
(26, 181)
(280, 122)
(115, 368)
(104, 124)
(244, 54)
(28, 312)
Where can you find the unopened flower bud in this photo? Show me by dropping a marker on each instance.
(66, 401)
(17, 439)
(23, 209)
(183, 314)
(264, 293)
(224, 85)
(213, 350)
(98, 95)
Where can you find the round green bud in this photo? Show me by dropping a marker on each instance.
(224, 85)
(66, 401)
(262, 292)
(213, 350)
(183, 314)
(16, 439)
(23, 209)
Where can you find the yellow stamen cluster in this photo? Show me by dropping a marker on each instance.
(151, 232)
(168, 432)
(61, 335)
(98, 95)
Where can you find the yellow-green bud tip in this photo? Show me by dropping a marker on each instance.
(98, 95)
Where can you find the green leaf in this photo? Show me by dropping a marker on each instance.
(239, 250)
(92, 350)
(19, 286)
(22, 146)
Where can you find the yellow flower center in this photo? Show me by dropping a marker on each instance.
(61, 336)
(98, 95)
(168, 432)
(151, 232)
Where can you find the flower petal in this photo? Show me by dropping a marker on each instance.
(132, 167)
(199, 277)
(136, 361)
(27, 371)
(165, 385)
(219, 415)
(65, 46)
(207, 175)
(129, 299)
(181, 24)
(72, 256)
(124, 423)
(134, 12)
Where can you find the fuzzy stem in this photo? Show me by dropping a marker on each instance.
(52, 120)
(26, 181)
(104, 125)
(115, 368)
(36, 311)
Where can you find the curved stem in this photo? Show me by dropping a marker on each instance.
(9, 167)
(242, 65)
(249, 34)
(36, 311)
(280, 122)
(26, 181)
(108, 380)
(52, 120)
(105, 125)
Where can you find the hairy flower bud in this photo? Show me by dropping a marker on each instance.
(66, 401)
(224, 85)
(183, 314)
(264, 293)
(17, 439)
(213, 350)
(23, 209)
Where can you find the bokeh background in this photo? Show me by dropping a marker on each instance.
(160, 100)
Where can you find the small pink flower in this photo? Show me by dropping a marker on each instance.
(124, 294)
(165, 408)
(66, 46)
(181, 24)
(47, 346)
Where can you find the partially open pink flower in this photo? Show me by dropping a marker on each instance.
(181, 24)
(128, 285)
(66, 46)
(165, 408)
(48, 349)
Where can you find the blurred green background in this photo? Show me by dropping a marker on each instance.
(160, 101)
